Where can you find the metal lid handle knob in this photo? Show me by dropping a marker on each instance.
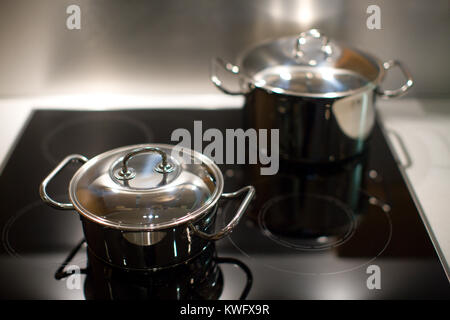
(315, 34)
(128, 173)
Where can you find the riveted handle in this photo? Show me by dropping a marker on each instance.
(250, 192)
(231, 68)
(43, 187)
(128, 173)
(388, 94)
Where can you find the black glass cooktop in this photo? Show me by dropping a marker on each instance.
(348, 231)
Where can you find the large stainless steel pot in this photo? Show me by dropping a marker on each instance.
(147, 206)
(318, 93)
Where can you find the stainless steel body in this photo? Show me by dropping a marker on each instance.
(142, 207)
(198, 278)
(311, 129)
(143, 250)
(318, 93)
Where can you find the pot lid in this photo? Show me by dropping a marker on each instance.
(146, 187)
(310, 65)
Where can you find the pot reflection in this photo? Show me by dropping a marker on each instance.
(343, 180)
(312, 207)
(200, 278)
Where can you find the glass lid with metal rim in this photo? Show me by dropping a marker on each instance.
(146, 186)
(310, 65)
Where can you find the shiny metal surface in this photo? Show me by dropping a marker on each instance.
(147, 206)
(311, 81)
(128, 173)
(387, 94)
(318, 93)
(144, 238)
(314, 130)
(147, 250)
(309, 65)
(302, 39)
(160, 249)
(231, 68)
(151, 200)
(250, 192)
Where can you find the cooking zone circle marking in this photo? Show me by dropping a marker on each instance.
(319, 235)
(31, 221)
(121, 131)
(296, 258)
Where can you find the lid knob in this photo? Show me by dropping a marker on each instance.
(128, 173)
(302, 40)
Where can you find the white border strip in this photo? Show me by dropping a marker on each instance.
(105, 101)
(410, 188)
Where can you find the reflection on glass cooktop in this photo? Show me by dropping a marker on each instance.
(347, 231)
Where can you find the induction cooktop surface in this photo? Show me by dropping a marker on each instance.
(345, 231)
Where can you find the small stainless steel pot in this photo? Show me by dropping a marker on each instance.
(147, 206)
(319, 94)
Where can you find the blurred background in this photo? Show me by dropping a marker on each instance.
(165, 46)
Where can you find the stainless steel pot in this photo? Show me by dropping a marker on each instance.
(318, 93)
(147, 206)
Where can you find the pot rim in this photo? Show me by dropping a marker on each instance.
(188, 218)
(371, 85)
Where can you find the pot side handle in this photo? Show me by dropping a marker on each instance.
(215, 78)
(387, 94)
(250, 190)
(43, 187)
